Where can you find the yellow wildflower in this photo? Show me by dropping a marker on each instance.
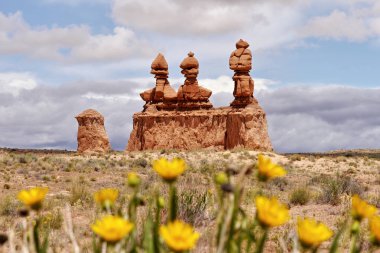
(106, 197)
(312, 233)
(133, 179)
(361, 209)
(270, 212)
(169, 170)
(374, 226)
(179, 236)
(33, 198)
(112, 228)
(268, 170)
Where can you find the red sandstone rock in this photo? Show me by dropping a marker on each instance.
(92, 136)
(191, 95)
(163, 96)
(219, 129)
(241, 63)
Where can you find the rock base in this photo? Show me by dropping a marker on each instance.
(219, 129)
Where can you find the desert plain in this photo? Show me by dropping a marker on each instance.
(318, 185)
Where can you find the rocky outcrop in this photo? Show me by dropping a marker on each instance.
(163, 96)
(218, 129)
(190, 121)
(192, 96)
(241, 64)
(92, 136)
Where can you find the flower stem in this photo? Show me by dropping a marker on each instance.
(260, 246)
(173, 202)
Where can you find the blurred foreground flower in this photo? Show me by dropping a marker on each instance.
(268, 170)
(312, 233)
(361, 209)
(112, 228)
(179, 236)
(33, 197)
(133, 180)
(169, 170)
(375, 229)
(270, 212)
(106, 197)
(221, 178)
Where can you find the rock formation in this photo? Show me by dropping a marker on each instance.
(163, 96)
(241, 63)
(194, 124)
(92, 136)
(191, 95)
(217, 129)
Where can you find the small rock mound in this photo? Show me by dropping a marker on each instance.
(92, 136)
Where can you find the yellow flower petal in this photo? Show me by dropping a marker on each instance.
(169, 170)
(312, 233)
(106, 196)
(268, 170)
(270, 212)
(361, 209)
(179, 236)
(33, 197)
(374, 226)
(112, 228)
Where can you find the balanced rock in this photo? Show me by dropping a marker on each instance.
(191, 95)
(92, 136)
(163, 96)
(241, 64)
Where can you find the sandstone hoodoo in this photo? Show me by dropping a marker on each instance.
(163, 96)
(92, 136)
(191, 95)
(190, 122)
(241, 63)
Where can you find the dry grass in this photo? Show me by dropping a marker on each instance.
(317, 185)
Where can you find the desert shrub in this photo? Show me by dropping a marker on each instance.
(334, 186)
(281, 183)
(8, 206)
(140, 162)
(206, 166)
(193, 206)
(295, 157)
(300, 196)
(79, 193)
(52, 220)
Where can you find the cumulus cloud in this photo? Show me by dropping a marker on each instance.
(356, 20)
(300, 118)
(258, 20)
(14, 83)
(74, 43)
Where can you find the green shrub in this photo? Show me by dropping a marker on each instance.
(334, 186)
(300, 196)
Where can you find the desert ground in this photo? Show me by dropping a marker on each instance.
(317, 185)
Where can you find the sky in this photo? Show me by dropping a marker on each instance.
(316, 65)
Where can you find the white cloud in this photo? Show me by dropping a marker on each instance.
(14, 83)
(355, 20)
(70, 44)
